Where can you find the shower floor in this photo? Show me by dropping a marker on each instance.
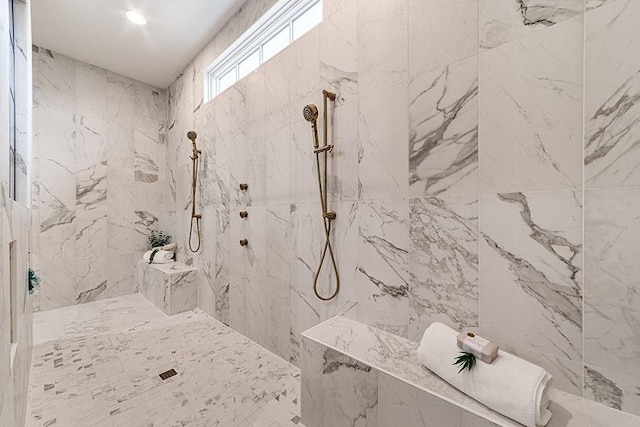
(98, 364)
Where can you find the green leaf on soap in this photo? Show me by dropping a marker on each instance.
(465, 361)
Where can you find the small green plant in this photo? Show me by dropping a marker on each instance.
(34, 280)
(465, 361)
(158, 238)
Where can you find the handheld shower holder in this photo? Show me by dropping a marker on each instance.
(319, 150)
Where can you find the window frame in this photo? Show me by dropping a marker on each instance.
(281, 15)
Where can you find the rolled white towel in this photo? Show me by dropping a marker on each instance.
(511, 386)
(161, 257)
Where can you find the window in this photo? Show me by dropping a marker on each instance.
(285, 22)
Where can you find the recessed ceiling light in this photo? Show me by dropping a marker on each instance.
(136, 17)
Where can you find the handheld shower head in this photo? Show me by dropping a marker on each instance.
(310, 113)
(192, 136)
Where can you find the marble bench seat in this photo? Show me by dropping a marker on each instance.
(171, 287)
(356, 374)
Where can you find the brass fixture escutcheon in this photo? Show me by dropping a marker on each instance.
(244, 214)
(244, 187)
(244, 242)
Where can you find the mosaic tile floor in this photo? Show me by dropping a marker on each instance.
(107, 374)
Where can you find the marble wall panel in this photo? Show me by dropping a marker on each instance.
(443, 131)
(611, 302)
(530, 125)
(501, 22)
(612, 92)
(531, 270)
(100, 150)
(443, 262)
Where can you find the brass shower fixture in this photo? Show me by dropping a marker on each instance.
(191, 135)
(310, 114)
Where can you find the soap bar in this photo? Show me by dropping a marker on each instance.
(481, 348)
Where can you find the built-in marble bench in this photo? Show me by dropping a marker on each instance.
(171, 287)
(355, 374)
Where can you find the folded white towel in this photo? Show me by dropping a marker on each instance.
(511, 386)
(161, 257)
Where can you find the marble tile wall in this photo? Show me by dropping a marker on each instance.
(15, 304)
(483, 149)
(100, 156)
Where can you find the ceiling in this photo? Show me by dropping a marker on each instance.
(98, 32)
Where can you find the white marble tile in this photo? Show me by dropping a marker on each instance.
(594, 4)
(278, 238)
(615, 387)
(91, 90)
(382, 50)
(302, 71)
(383, 254)
(146, 155)
(611, 302)
(91, 163)
(602, 416)
(357, 340)
(531, 98)
(277, 185)
(303, 180)
(443, 263)
(54, 82)
(531, 256)
(311, 361)
(383, 165)
(369, 313)
(277, 92)
(339, 47)
(502, 22)
(443, 131)
(252, 257)
(184, 291)
(612, 88)
(441, 32)
(349, 391)
(405, 405)
(343, 160)
(266, 317)
(91, 253)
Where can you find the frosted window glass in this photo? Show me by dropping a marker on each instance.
(249, 64)
(308, 20)
(227, 80)
(275, 44)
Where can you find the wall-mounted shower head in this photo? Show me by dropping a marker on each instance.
(310, 113)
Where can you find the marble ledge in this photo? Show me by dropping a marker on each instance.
(174, 267)
(397, 357)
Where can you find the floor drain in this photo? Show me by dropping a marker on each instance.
(168, 374)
